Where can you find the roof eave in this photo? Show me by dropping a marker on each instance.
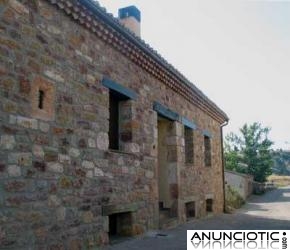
(113, 23)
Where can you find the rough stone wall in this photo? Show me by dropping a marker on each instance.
(58, 180)
(242, 183)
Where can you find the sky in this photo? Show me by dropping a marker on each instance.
(236, 52)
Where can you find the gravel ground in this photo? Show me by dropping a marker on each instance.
(265, 212)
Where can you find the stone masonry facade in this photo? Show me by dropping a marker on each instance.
(61, 186)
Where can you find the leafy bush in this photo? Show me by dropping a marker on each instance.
(233, 199)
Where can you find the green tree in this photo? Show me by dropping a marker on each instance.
(281, 162)
(250, 152)
(233, 157)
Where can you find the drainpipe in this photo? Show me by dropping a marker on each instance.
(223, 162)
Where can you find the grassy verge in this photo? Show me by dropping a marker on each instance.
(233, 199)
(279, 180)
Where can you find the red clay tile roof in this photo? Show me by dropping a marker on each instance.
(94, 17)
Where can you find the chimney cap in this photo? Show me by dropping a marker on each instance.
(130, 11)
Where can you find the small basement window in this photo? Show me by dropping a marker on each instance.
(207, 151)
(209, 205)
(188, 145)
(190, 209)
(120, 224)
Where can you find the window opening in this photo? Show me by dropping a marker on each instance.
(209, 203)
(114, 122)
(188, 145)
(114, 119)
(120, 225)
(190, 209)
(207, 151)
(40, 99)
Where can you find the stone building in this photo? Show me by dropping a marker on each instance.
(99, 135)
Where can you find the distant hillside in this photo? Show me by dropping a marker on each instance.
(281, 160)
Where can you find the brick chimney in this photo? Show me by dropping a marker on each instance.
(130, 17)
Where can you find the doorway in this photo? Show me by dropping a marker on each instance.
(163, 185)
(167, 171)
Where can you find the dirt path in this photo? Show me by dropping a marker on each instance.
(268, 211)
(273, 205)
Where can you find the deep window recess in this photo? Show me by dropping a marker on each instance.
(114, 120)
(113, 224)
(190, 209)
(120, 224)
(209, 204)
(188, 145)
(40, 99)
(207, 151)
(117, 94)
(42, 96)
